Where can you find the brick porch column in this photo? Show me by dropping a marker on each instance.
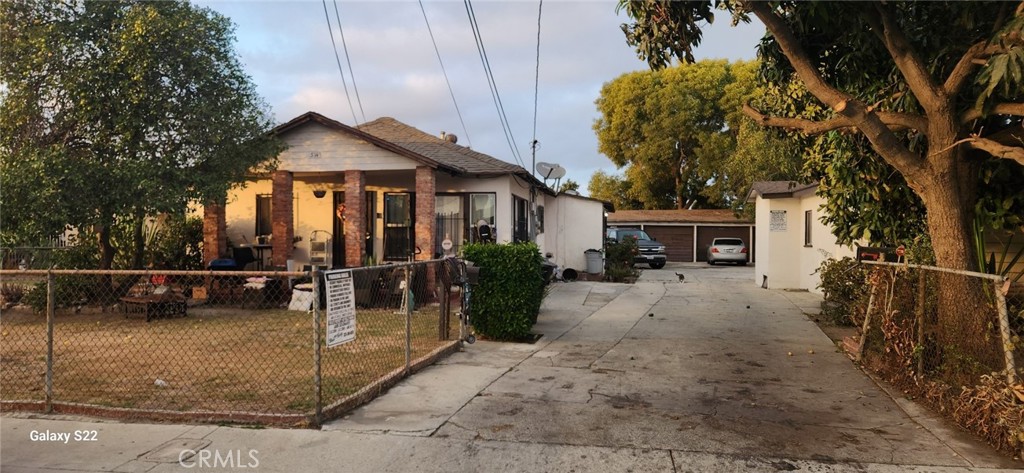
(215, 232)
(355, 218)
(282, 218)
(426, 186)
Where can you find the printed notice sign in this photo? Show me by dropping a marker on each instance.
(341, 308)
(778, 221)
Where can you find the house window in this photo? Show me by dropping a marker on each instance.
(808, 219)
(482, 207)
(520, 220)
(263, 216)
(540, 219)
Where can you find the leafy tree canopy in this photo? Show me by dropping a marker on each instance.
(932, 89)
(110, 111)
(683, 140)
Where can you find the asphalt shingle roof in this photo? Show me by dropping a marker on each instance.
(769, 189)
(675, 216)
(433, 147)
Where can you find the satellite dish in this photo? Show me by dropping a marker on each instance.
(550, 171)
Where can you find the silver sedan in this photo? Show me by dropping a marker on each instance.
(731, 250)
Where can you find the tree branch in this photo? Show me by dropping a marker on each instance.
(1015, 109)
(999, 150)
(907, 60)
(895, 122)
(883, 140)
(972, 58)
(801, 62)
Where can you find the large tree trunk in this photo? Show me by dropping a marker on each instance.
(106, 248)
(964, 315)
(139, 240)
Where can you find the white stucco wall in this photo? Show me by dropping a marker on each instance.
(782, 255)
(572, 225)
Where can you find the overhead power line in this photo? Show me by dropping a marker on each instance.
(348, 60)
(338, 60)
(495, 96)
(445, 72)
(536, 91)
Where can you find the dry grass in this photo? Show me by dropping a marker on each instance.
(215, 359)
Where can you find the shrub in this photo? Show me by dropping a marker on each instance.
(507, 299)
(842, 281)
(11, 293)
(618, 265)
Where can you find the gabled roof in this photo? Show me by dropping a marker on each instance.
(434, 147)
(313, 117)
(676, 216)
(395, 136)
(777, 189)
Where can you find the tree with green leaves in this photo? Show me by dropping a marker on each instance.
(614, 189)
(934, 89)
(113, 111)
(661, 126)
(569, 185)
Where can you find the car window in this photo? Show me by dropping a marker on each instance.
(638, 234)
(728, 241)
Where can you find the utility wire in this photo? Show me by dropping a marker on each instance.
(445, 72)
(536, 91)
(351, 71)
(492, 84)
(338, 60)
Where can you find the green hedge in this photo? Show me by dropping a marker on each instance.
(507, 299)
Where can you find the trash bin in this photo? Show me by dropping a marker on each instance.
(595, 261)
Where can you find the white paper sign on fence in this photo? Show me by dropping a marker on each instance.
(341, 307)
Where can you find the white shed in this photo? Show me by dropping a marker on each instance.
(791, 241)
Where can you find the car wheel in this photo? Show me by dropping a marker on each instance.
(657, 265)
(742, 263)
(711, 262)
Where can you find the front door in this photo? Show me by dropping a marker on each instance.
(398, 226)
(338, 231)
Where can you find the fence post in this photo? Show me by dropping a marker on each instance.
(51, 307)
(867, 323)
(408, 317)
(1004, 331)
(317, 392)
(922, 283)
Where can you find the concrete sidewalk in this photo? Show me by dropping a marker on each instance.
(654, 376)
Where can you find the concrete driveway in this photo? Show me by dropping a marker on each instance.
(660, 375)
(711, 365)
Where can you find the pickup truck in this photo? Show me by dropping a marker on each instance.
(652, 252)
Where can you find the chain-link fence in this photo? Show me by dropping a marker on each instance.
(216, 345)
(941, 325)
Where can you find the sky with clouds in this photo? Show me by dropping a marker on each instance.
(286, 49)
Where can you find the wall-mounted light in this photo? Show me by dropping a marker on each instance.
(319, 193)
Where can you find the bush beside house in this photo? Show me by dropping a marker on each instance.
(507, 300)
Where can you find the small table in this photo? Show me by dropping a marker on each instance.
(154, 305)
(259, 249)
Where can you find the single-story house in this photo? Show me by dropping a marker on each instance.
(687, 233)
(344, 196)
(791, 242)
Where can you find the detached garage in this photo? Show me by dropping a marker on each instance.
(687, 234)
